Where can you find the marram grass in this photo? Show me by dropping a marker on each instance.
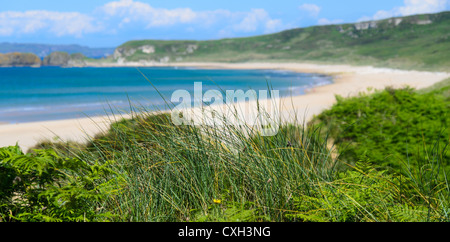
(178, 172)
(188, 173)
(229, 173)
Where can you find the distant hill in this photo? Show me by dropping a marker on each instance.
(43, 50)
(412, 42)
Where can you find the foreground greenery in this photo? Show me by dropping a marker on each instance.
(413, 42)
(389, 128)
(391, 165)
(42, 186)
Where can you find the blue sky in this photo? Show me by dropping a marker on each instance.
(108, 23)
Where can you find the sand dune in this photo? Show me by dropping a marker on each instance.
(348, 81)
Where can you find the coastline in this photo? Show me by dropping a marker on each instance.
(347, 81)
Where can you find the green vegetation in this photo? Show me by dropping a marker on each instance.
(389, 127)
(402, 133)
(441, 88)
(392, 165)
(184, 170)
(413, 42)
(42, 186)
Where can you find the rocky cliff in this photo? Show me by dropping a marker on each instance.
(56, 59)
(64, 59)
(19, 59)
(77, 60)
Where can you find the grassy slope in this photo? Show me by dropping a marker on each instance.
(440, 88)
(392, 127)
(408, 45)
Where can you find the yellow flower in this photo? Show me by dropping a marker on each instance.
(217, 201)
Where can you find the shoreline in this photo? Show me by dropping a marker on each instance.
(347, 81)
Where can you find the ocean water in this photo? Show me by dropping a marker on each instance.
(52, 93)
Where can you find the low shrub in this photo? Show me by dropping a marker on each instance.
(42, 186)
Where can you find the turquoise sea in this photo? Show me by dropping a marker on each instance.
(51, 93)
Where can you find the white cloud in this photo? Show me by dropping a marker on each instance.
(422, 6)
(312, 9)
(324, 21)
(410, 7)
(273, 25)
(257, 19)
(130, 11)
(119, 15)
(252, 20)
(58, 23)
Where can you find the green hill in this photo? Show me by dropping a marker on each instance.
(413, 42)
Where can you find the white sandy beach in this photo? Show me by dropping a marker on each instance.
(348, 81)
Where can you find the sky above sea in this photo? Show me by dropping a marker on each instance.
(108, 23)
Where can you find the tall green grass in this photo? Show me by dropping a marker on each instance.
(233, 173)
(188, 173)
(175, 173)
